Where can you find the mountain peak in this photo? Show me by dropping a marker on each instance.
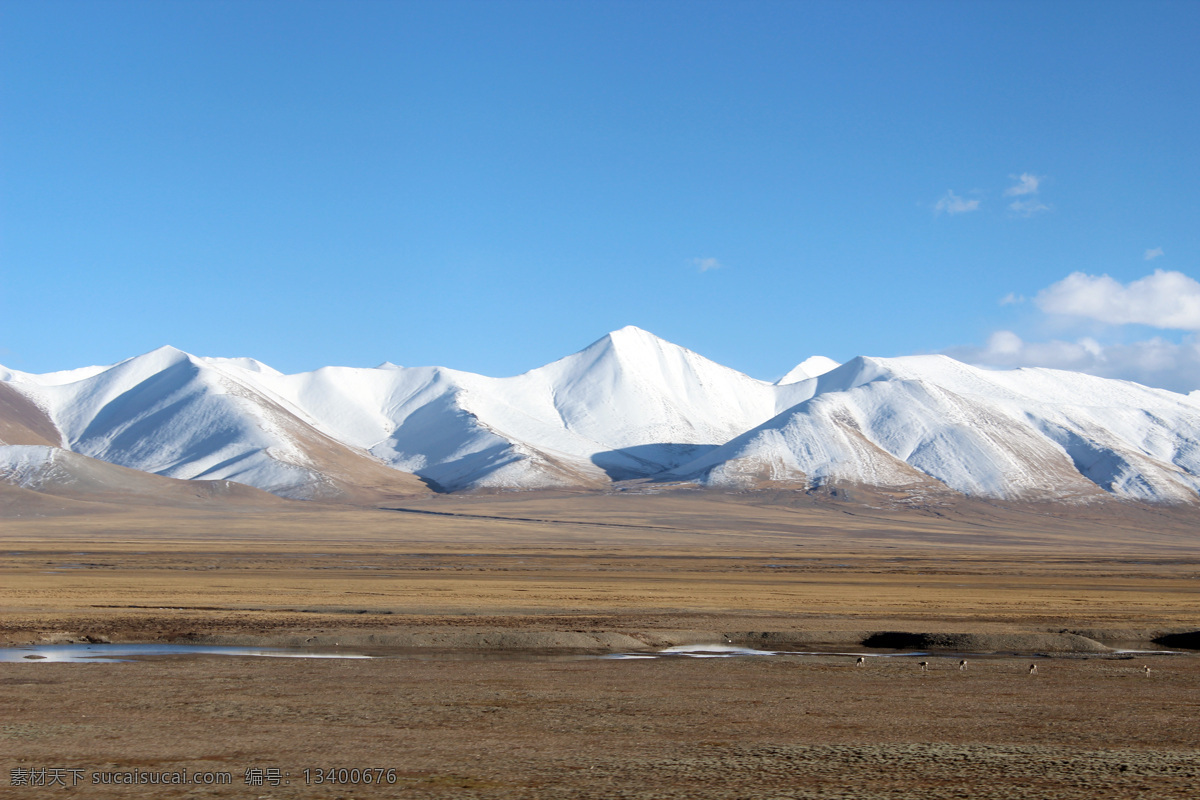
(165, 355)
(811, 367)
(629, 345)
(639, 350)
(166, 350)
(632, 335)
(630, 405)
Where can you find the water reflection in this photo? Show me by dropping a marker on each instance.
(109, 653)
(47, 653)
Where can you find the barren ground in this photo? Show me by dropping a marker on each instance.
(494, 601)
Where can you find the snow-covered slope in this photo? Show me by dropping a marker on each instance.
(55, 472)
(812, 367)
(628, 406)
(171, 414)
(23, 422)
(1020, 434)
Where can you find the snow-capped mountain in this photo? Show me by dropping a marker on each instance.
(813, 367)
(628, 406)
(172, 414)
(1021, 434)
(30, 472)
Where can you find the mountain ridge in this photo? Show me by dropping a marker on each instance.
(628, 407)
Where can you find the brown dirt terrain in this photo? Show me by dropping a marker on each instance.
(678, 728)
(487, 608)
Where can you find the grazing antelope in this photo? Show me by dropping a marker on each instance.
(924, 665)
(962, 665)
(862, 662)
(1033, 669)
(1146, 670)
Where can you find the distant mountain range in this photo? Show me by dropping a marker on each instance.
(628, 410)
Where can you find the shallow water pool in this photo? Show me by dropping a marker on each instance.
(127, 652)
(109, 653)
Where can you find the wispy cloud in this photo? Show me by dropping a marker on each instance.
(1027, 208)
(953, 204)
(1161, 300)
(1154, 362)
(1026, 184)
(1026, 188)
(1102, 306)
(1012, 299)
(705, 264)
(1153, 254)
(1025, 191)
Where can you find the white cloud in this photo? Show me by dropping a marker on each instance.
(1026, 187)
(1162, 300)
(1153, 254)
(1012, 299)
(705, 264)
(1166, 300)
(1027, 208)
(953, 204)
(1026, 184)
(1153, 362)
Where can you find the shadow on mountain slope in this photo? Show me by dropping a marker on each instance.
(647, 460)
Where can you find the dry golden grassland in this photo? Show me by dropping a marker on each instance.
(491, 599)
(617, 562)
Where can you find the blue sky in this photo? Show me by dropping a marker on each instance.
(492, 185)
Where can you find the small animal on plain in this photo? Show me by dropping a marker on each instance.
(862, 662)
(1146, 670)
(1033, 669)
(924, 665)
(962, 664)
